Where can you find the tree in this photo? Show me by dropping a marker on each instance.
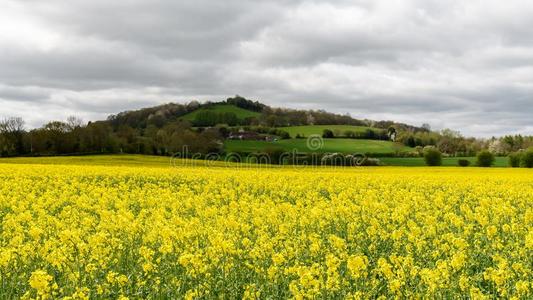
(527, 158)
(391, 132)
(275, 155)
(327, 134)
(432, 156)
(485, 159)
(369, 134)
(450, 141)
(411, 142)
(4, 146)
(74, 122)
(349, 134)
(284, 135)
(245, 103)
(56, 134)
(419, 150)
(514, 160)
(12, 131)
(463, 162)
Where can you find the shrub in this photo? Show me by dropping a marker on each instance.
(514, 160)
(360, 160)
(485, 159)
(284, 135)
(463, 162)
(327, 134)
(371, 162)
(432, 156)
(275, 155)
(223, 131)
(419, 150)
(349, 134)
(527, 158)
(333, 159)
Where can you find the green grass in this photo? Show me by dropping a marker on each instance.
(223, 108)
(164, 161)
(447, 161)
(123, 160)
(330, 145)
(319, 129)
(97, 160)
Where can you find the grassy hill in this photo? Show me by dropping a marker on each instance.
(319, 129)
(330, 145)
(222, 108)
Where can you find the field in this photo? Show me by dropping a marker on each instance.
(500, 162)
(116, 229)
(223, 108)
(319, 129)
(95, 160)
(329, 145)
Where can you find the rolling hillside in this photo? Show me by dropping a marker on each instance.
(339, 130)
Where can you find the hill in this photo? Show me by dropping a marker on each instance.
(243, 112)
(235, 124)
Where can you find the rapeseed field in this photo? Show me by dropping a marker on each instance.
(109, 232)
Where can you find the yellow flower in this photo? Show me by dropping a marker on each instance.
(357, 265)
(522, 287)
(458, 260)
(40, 280)
(194, 232)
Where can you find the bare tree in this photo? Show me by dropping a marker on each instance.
(12, 131)
(11, 125)
(74, 122)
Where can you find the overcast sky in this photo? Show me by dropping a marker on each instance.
(467, 65)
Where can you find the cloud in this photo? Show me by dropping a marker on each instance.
(466, 65)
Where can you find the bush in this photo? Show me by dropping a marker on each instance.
(371, 162)
(514, 160)
(223, 131)
(527, 159)
(432, 156)
(275, 155)
(485, 159)
(333, 159)
(349, 134)
(360, 160)
(419, 150)
(327, 134)
(463, 162)
(284, 135)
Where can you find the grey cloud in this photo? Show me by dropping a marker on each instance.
(460, 64)
(24, 94)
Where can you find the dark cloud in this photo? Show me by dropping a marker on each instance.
(467, 65)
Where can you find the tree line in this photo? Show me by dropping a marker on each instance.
(74, 137)
(160, 130)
